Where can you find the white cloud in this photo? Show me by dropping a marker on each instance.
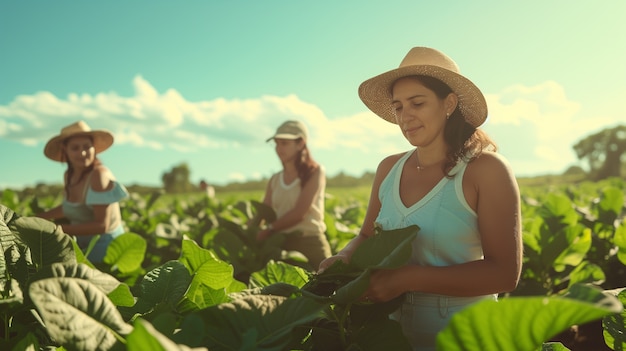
(161, 121)
(535, 126)
(236, 177)
(543, 123)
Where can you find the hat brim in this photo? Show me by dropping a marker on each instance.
(285, 136)
(376, 92)
(102, 140)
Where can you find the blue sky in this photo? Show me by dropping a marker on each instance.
(206, 82)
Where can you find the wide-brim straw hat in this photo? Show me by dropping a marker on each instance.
(102, 140)
(376, 92)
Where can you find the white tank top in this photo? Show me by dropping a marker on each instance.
(284, 198)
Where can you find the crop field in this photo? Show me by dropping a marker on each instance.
(189, 275)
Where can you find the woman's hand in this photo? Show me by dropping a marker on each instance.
(330, 260)
(387, 284)
(263, 234)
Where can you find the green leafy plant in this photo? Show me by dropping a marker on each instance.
(235, 240)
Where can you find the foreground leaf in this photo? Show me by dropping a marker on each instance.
(77, 314)
(257, 322)
(146, 337)
(490, 325)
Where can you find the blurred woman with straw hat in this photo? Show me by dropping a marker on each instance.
(453, 185)
(92, 195)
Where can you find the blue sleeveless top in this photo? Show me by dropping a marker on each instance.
(448, 235)
(448, 226)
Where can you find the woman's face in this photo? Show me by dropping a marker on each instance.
(80, 151)
(420, 114)
(287, 149)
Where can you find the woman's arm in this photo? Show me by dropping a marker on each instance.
(499, 223)
(373, 207)
(54, 213)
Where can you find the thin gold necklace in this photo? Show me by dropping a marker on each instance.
(417, 159)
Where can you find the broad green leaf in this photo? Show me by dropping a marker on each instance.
(145, 337)
(47, 242)
(278, 289)
(279, 272)
(264, 321)
(614, 325)
(553, 346)
(193, 256)
(126, 252)
(10, 199)
(122, 296)
(620, 241)
(200, 298)
(353, 290)
(579, 243)
(610, 205)
(523, 323)
(558, 211)
(77, 314)
(27, 343)
(383, 334)
(105, 282)
(532, 233)
(586, 272)
(10, 296)
(235, 286)
(205, 267)
(191, 331)
(387, 250)
(208, 286)
(554, 246)
(166, 284)
(118, 292)
(212, 278)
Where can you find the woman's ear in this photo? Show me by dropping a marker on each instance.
(451, 101)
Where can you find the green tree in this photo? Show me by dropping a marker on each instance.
(177, 180)
(605, 151)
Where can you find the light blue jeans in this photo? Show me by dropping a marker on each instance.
(422, 316)
(100, 249)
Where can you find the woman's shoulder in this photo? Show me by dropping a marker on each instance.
(101, 178)
(490, 160)
(385, 166)
(489, 166)
(390, 161)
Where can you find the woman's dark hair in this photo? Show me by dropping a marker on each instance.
(305, 164)
(464, 141)
(70, 168)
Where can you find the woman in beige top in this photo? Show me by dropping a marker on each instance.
(296, 194)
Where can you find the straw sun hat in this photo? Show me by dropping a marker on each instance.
(102, 140)
(376, 92)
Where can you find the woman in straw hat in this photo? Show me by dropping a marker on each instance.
(453, 185)
(296, 194)
(92, 195)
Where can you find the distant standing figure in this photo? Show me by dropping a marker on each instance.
(92, 195)
(209, 189)
(296, 194)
